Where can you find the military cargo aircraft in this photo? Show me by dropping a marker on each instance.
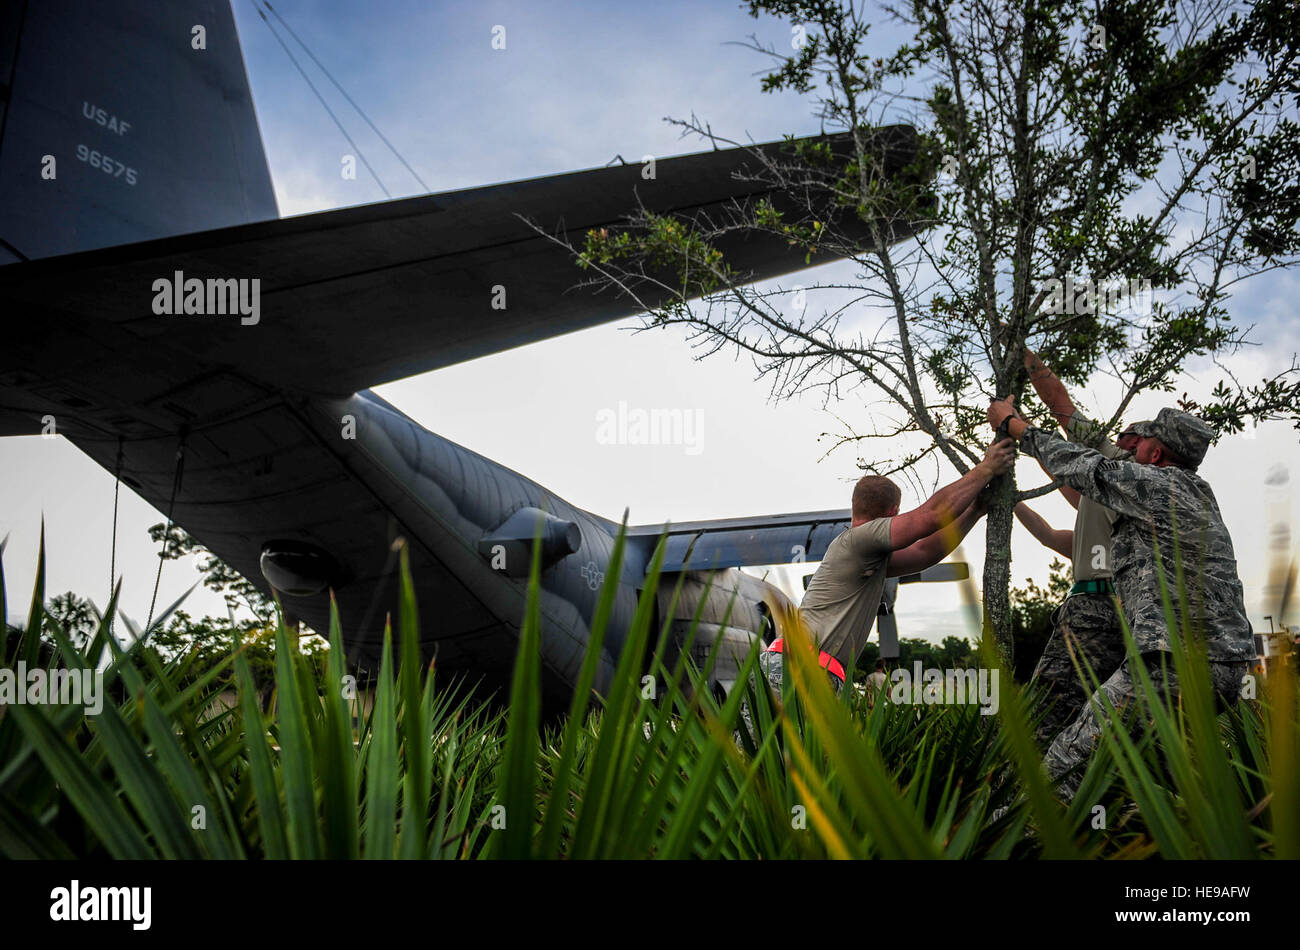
(216, 358)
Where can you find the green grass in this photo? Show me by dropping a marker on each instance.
(643, 772)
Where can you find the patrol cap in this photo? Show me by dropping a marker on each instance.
(1183, 432)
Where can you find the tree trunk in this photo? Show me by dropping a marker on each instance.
(997, 570)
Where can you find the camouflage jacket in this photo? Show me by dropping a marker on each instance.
(1149, 502)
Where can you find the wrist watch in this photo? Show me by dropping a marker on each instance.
(1004, 428)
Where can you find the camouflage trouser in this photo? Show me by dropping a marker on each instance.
(773, 667)
(1075, 743)
(1087, 626)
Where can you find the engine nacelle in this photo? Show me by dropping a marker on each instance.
(509, 548)
(298, 568)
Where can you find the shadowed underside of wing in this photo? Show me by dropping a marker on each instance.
(350, 298)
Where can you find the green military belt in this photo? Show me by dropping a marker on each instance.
(1101, 585)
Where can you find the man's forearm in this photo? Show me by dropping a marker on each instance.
(1057, 540)
(1050, 389)
(951, 503)
(969, 518)
(933, 548)
(945, 540)
(1033, 522)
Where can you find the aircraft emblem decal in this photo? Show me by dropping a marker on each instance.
(593, 575)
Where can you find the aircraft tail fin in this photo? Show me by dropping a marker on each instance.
(123, 122)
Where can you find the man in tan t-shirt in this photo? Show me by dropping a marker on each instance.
(1085, 624)
(844, 595)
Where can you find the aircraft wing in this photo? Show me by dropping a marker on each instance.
(351, 298)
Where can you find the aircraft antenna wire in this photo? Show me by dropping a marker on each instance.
(167, 529)
(362, 112)
(356, 148)
(112, 554)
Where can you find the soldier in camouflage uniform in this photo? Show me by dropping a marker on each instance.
(1162, 506)
(1086, 632)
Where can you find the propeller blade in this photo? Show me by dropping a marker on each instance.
(974, 610)
(948, 571)
(1288, 588)
(887, 629)
(886, 623)
(1282, 570)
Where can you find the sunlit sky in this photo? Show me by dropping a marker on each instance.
(576, 85)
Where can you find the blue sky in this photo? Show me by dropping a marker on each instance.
(576, 85)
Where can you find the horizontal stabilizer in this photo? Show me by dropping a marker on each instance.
(736, 542)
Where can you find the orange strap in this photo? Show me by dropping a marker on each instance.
(828, 662)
